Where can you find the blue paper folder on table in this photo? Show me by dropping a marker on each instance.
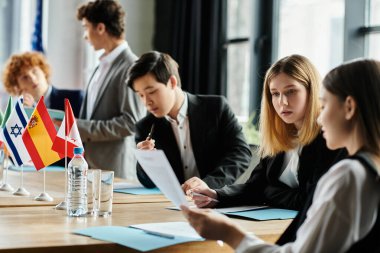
(134, 188)
(265, 214)
(143, 237)
(139, 191)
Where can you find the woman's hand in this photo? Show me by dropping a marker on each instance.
(214, 226)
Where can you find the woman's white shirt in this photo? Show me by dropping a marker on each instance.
(344, 210)
(289, 175)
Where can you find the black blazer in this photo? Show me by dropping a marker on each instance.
(57, 99)
(220, 150)
(264, 188)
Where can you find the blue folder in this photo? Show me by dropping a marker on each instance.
(266, 214)
(139, 191)
(132, 237)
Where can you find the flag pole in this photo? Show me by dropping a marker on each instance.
(44, 196)
(63, 204)
(21, 191)
(5, 186)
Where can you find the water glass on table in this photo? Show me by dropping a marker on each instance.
(93, 191)
(106, 193)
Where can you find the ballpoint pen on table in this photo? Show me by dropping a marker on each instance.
(150, 133)
(168, 236)
(200, 194)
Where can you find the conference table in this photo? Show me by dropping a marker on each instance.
(27, 225)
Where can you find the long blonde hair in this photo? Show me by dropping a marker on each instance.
(276, 135)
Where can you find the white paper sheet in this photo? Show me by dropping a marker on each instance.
(159, 170)
(126, 185)
(170, 228)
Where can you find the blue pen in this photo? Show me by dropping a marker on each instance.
(168, 236)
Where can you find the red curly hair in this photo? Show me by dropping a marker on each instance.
(20, 63)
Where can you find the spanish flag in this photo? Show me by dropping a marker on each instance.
(38, 137)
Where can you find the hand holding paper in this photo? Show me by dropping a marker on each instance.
(157, 166)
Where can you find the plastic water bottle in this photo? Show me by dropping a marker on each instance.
(77, 184)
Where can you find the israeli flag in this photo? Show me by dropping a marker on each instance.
(12, 134)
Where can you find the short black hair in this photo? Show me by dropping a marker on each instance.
(160, 65)
(108, 12)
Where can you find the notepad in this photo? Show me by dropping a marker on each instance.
(135, 238)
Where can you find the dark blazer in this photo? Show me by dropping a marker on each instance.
(220, 150)
(57, 99)
(264, 188)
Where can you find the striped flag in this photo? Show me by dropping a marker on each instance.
(12, 134)
(7, 112)
(39, 135)
(68, 130)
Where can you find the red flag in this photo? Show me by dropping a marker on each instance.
(38, 137)
(68, 129)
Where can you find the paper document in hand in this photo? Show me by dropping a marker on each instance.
(158, 168)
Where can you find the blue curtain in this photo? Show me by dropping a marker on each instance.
(37, 34)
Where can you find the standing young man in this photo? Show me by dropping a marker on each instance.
(199, 134)
(110, 109)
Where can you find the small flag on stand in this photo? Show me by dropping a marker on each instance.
(12, 134)
(39, 135)
(7, 113)
(69, 131)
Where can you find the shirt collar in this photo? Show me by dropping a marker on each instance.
(47, 96)
(109, 58)
(182, 114)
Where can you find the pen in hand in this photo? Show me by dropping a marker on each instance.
(200, 194)
(150, 133)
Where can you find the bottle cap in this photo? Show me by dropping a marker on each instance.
(78, 150)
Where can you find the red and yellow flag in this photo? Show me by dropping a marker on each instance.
(39, 135)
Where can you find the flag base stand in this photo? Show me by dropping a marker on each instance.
(44, 196)
(61, 206)
(6, 187)
(21, 191)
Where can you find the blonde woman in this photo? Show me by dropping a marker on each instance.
(344, 215)
(293, 153)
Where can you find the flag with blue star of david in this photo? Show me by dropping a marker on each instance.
(12, 134)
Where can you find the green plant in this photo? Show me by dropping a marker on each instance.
(251, 132)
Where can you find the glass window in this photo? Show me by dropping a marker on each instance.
(313, 28)
(374, 38)
(238, 56)
(16, 27)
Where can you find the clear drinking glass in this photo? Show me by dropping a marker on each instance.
(106, 193)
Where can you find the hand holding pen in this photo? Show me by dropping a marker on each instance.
(148, 144)
(200, 193)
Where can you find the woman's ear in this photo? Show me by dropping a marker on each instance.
(350, 107)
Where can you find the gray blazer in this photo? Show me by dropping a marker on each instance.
(108, 134)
